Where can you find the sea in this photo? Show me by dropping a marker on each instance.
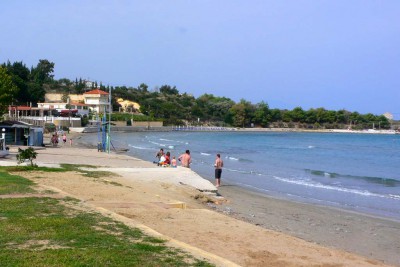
(357, 172)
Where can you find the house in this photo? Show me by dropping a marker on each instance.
(45, 113)
(95, 100)
(61, 113)
(98, 100)
(24, 111)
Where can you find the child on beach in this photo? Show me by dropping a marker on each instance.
(173, 162)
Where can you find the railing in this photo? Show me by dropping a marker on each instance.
(41, 121)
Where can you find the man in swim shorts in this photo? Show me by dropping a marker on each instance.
(185, 159)
(218, 170)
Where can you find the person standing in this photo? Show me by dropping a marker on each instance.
(185, 159)
(218, 170)
(64, 138)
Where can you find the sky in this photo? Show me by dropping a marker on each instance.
(341, 54)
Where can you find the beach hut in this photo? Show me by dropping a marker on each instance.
(20, 133)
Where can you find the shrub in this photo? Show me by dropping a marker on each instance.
(26, 154)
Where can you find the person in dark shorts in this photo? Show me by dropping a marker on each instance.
(218, 170)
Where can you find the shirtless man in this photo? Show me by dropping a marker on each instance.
(185, 159)
(218, 170)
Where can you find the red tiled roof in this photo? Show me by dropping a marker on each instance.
(19, 108)
(96, 92)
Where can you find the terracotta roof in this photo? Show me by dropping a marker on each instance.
(96, 92)
(19, 108)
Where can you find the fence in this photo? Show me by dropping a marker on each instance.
(41, 121)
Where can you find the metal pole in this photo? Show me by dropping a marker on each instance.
(109, 119)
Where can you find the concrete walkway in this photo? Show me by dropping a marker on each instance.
(121, 164)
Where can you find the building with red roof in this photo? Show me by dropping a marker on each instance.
(98, 100)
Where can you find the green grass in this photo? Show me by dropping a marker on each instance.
(64, 168)
(29, 168)
(14, 184)
(43, 231)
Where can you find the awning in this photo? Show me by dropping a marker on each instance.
(20, 126)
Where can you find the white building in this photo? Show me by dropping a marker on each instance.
(94, 100)
(97, 100)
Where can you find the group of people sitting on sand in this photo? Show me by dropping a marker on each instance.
(164, 159)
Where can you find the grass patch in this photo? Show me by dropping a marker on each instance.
(64, 168)
(43, 232)
(76, 167)
(14, 184)
(29, 168)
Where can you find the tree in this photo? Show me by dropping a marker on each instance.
(238, 115)
(143, 87)
(286, 115)
(298, 114)
(79, 86)
(8, 90)
(276, 115)
(43, 72)
(20, 77)
(36, 92)
(261, 114)
(168, 90)
(242, 113)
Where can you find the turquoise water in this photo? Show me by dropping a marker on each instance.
(352, 171)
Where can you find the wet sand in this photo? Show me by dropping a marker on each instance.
(370, 236)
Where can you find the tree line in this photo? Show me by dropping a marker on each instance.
(21, 85)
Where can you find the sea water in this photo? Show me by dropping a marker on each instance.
(359, 172)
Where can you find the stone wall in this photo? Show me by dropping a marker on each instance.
(56, 97)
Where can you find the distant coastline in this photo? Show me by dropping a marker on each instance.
(216, 129)
(370, 131)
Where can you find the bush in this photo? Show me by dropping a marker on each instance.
(26, 154)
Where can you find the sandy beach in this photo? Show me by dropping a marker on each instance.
(240, 228)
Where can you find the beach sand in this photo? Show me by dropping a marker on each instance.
(242, 228)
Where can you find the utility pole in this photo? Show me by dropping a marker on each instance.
(109, 121)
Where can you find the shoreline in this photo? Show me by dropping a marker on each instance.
(368, 235)
(352, 231)
(338, 208)
(374, 238)
(83, 130)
